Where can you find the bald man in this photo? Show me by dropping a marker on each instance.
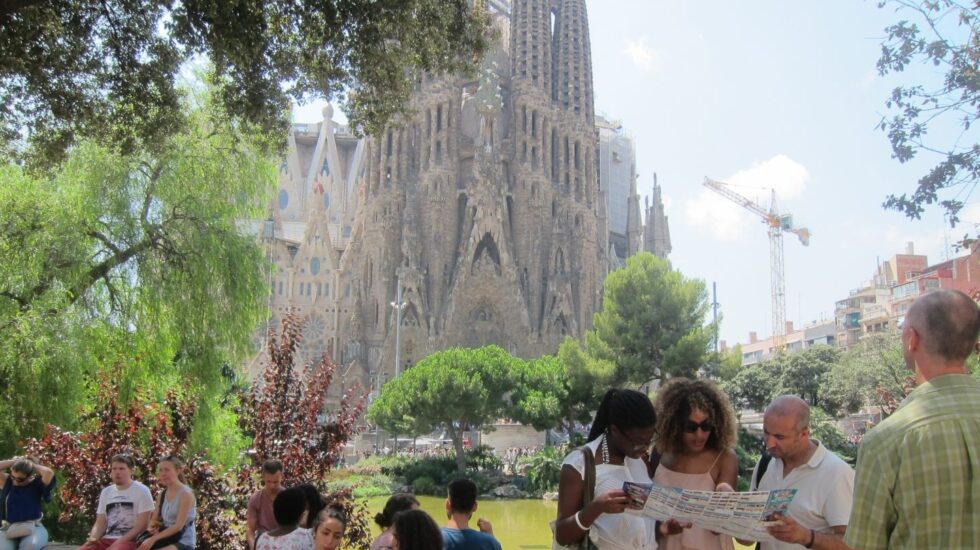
(824, 483)
(918, 474)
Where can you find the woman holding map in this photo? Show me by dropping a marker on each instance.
(696, 435)
(591, 500)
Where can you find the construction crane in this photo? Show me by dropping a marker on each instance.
(778, 224)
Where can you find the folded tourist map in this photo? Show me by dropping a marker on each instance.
(741, 515)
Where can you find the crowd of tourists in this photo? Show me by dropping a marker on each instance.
(917, 483)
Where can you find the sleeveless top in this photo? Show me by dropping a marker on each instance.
(626, 531)
(693, 538)
(168, 516)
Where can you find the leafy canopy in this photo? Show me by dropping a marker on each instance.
(652, 322)
(106, 70)
(943, 34)
(455, 389)
(137, 260)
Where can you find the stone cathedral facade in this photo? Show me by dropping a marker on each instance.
(483, 206)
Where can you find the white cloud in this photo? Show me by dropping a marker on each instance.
(642, 55)
(726, 220)
(970, 214)
(868, 79)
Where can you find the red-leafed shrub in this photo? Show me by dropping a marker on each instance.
(143, 430)
(284, 414)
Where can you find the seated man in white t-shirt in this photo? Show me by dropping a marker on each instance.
(123, 512)
(824, 482)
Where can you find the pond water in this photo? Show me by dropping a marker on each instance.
(516, 523)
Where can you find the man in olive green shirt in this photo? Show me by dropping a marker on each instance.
(918, 472)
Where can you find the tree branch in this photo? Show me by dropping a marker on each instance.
(103, 268)
(8, 7)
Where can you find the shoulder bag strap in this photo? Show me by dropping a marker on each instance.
(588, 476)
(653, 462)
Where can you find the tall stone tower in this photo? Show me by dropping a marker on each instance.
(483, 207)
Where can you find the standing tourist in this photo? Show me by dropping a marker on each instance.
(328, 528)
(289, 508)
(696, 427)
(27, 484)
(621, 434)
(917, 482)
(416, 530)
(259, 516)
(172, 524)
(397, 502)
(460, 507)
(824, 483)
(124, 509)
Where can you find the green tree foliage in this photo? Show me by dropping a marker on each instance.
(588, 378)
(542, 470)
(725, 365)
(754, 386)
(824, 428)
(455, 389)
(872, 373)
(802, 373)
(942, 34)
(106, 70)
(540, 388)
(136, 260)
(652, 322)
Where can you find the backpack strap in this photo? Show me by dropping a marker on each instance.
(763, 465)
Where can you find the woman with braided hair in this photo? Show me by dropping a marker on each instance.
(619, 440)
(696, 435)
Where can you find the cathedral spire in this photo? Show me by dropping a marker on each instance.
(573, 60)
(530, 42)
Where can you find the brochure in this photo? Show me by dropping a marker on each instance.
(741, 515)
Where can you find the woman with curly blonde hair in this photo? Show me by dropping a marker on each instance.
(696, 435)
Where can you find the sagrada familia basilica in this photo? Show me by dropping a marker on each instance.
(478, 221)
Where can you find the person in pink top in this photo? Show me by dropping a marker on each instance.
(696, 437)
(260, 516)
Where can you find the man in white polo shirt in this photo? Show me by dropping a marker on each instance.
(824, 482)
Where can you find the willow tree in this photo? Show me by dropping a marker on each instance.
(135, 261)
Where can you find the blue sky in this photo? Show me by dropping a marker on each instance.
(764, 94)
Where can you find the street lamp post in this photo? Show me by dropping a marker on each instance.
(399, 305)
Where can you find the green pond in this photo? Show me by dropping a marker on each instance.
(516, 523)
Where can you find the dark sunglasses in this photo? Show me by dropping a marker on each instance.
(20, 479)
(705, 426)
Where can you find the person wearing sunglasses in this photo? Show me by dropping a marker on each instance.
(24, 487)
(694, 450)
